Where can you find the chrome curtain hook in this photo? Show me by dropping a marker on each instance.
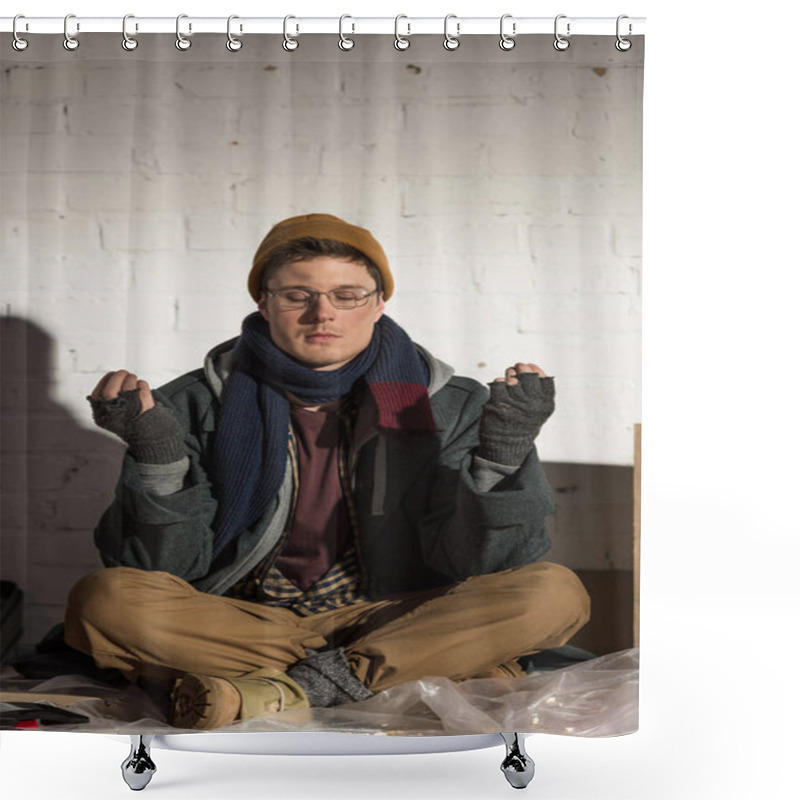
(290, 43)
(70, 42)
(560, 42)
(400, 42)
(451, 42)
(18, 43)
(623, 44)
(344, 42)
(181, 42)
(233, 44)
(507, 41)
(129, 42)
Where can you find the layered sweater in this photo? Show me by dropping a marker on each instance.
(429, 512)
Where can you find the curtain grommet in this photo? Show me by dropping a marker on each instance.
(129, 42)
(70, 42)
(290, 43)
(345, 43)
(507, 41)
(451, 41)
(561, 43)
(401, 42)
(18, 43)
(181, 42)
(622, 44)
(233, 44)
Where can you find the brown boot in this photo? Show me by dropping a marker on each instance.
(205, 701)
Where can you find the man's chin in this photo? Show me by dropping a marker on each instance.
(321, 362)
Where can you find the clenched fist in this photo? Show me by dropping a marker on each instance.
(124, 405)
(519, 404)
(113, 383)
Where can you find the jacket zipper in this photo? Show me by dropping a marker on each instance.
(349, 487)
(272, 556)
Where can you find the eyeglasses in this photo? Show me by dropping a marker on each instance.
(296, 299)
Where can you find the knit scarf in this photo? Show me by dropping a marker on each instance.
(252, 437)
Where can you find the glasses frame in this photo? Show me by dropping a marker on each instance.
(313, 296)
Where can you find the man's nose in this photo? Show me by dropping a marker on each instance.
(321, 308)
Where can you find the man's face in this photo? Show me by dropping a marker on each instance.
(322, 336)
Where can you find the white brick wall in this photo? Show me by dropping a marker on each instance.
(134, 192)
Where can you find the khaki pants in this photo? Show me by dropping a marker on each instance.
(156, 625)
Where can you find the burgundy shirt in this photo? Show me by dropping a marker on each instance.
(321, 531)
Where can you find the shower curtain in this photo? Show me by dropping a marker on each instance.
(504, 183)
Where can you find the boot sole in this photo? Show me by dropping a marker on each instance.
(203, 702)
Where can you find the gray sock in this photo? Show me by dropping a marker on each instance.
(327, 679)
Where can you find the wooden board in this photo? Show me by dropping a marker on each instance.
(62, 700)
(637, 524)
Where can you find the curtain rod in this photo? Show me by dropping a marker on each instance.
(564, 25)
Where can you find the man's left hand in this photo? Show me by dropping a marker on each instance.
(519, 404)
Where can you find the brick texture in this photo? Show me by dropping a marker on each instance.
(134, 193)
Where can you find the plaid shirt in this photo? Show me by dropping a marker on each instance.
(341, 584)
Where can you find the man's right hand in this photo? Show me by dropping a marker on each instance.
(124, 405)
(112, 383)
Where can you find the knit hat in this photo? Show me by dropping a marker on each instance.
(318, 226)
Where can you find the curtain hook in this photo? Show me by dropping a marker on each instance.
(507, 41)
(182, 43)
(18, 42)
(623, 44)
(400, 42)
(129, 42)
(561, 43)
(233, 44)
(290, 43)
(451, 42)
(344, 42)
(70, 42)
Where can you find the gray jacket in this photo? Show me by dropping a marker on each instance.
(429, 512)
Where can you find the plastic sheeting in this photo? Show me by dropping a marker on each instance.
(594, 698)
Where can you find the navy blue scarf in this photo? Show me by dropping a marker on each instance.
(252, 437)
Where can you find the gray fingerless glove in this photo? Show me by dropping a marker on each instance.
(155, 437)
(513, 417)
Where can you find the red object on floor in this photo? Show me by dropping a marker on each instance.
(27, 724)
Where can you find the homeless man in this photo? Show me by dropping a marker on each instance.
(324, 510)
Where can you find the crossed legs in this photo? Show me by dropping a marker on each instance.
(155, 624)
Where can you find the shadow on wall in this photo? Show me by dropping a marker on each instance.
(57, 478)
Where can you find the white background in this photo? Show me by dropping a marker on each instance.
(719, 704)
